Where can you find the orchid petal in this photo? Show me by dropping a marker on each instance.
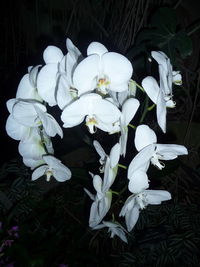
(141, 161)
(16, 130)
(161, 112)
(118, 68)
(170, 151)
(24, 113)
(97, 183)
(49, 123)
(40, 171)
(85, 73)
(114, 155)
(96, 48)
(144, 136)
(46, 83)
(132, 217)
(138, 182)
(155, 197)
(151, 87)
(52, 54)
(129, 109)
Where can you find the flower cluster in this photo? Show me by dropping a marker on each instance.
(98, 91)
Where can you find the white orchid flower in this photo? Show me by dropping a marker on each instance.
(30, 113)
(66, 91)
(47, 77)
(151, 152)
(101, 202)
(113, 157)
(102, 70)
(99, 113)
(114, 228)
(167, 75)
(36, 145)
(27, 88)
(129, 110)
(53, 167)
(157, 96)
(135, 203)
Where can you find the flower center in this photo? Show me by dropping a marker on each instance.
(103, 85)
(91, 122)
(155, 161)
(169, 102)
(48, 175)
(141, 200)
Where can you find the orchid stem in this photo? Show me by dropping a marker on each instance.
(151, 107)
(139, 86)
(122, 166)
(132, 126)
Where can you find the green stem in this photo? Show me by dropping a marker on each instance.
(132, 126)
(122, 166)
(151, 107)
(145, 109)
(139, 86)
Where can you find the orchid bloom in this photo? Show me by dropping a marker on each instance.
(34, 147)
(27, 88)
(102, 70)
(114, 228)
(150, 152)
(99, 113)
(135, 203)
(31, 113)
(66, 91)
(113, 157)
(53, 167)
(102, 201)
(167, 75)
(157, 96)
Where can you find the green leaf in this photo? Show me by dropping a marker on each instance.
(163, 34)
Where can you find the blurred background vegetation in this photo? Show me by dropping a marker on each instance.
(53, 218)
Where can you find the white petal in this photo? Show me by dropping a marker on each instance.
(96, 48)
(132, 218)
(161, 58)
(40, 171)
(138, 182)
(114, 155)
(49, 123)
(85, 73)
(118, 68)
(141, 161)
(144, 136)
(129, 109)
(10, 103)
(170, 151)
(155, 197)
(72, 49)
(16, 130)
(97, 183)
(46, 83)
(24, 113)
(63, 96)
(74, 113)
(25, 89)
(151, 87)
(32, 163)
(161, 112)
(52, 54)
(99, 150)
(62, 175)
